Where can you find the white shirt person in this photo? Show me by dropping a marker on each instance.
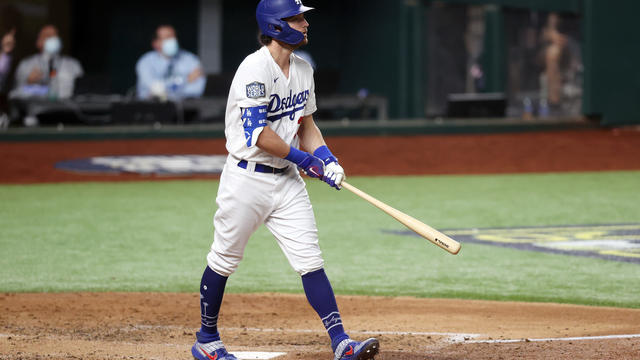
(48, 73)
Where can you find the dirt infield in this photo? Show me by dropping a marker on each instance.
(162, 326)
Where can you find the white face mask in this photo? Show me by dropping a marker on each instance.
(170, 47)
(52, 45)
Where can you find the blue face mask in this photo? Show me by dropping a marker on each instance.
(170, 47)
(52, 45)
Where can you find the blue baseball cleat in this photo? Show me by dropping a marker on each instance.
(354, 350)
(211, 351)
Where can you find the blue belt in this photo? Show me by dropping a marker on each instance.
(263, 168)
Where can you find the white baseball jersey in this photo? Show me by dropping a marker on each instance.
(258, 86)
(261, 96)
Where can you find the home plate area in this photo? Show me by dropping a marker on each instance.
(256, 355)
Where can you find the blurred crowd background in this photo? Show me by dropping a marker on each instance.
(121, 62)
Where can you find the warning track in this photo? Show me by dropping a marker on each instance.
(557, 151)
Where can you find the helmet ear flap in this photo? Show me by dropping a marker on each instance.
(275, 28)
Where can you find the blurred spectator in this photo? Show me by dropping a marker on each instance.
(169, 72)
(554, 52)
(6, 50)
(8, 42)
(49, 73)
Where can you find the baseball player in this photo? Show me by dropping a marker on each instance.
(271, 133)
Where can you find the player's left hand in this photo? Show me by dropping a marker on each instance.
(312, 166)
(333, 174)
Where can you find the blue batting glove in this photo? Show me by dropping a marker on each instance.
(333, 172)
(311, 165)
(325, 154)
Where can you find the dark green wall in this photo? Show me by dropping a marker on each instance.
(376, 45)
(495, 58)
(542, 5)
(239, 33)
(612, 61)
(370, 50)
(363, 42)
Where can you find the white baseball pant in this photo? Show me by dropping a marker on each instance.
(246, 199)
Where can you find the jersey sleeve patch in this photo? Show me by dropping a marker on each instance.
(253, 120)
(255, 90)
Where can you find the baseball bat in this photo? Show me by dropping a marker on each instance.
(418, 226)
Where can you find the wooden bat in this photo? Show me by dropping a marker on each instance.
(419, 227)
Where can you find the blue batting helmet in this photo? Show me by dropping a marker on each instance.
(270, 13)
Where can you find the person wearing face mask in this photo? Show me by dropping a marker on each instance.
(169, 72)
(48, 73)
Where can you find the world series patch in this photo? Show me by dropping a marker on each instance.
(255, 90)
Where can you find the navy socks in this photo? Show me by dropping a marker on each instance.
(316, 287)
(320, 295)
(211, 292)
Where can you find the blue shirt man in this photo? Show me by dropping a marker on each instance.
(169, 72)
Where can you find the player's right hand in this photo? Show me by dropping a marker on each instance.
(312, 166)
(333, 174)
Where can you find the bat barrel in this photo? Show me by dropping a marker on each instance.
(420, 228)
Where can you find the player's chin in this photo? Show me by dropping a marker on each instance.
(300, 44)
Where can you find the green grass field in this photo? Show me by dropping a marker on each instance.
(154, 236)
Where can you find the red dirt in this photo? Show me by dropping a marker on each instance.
(586, 150)
(162, 326)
